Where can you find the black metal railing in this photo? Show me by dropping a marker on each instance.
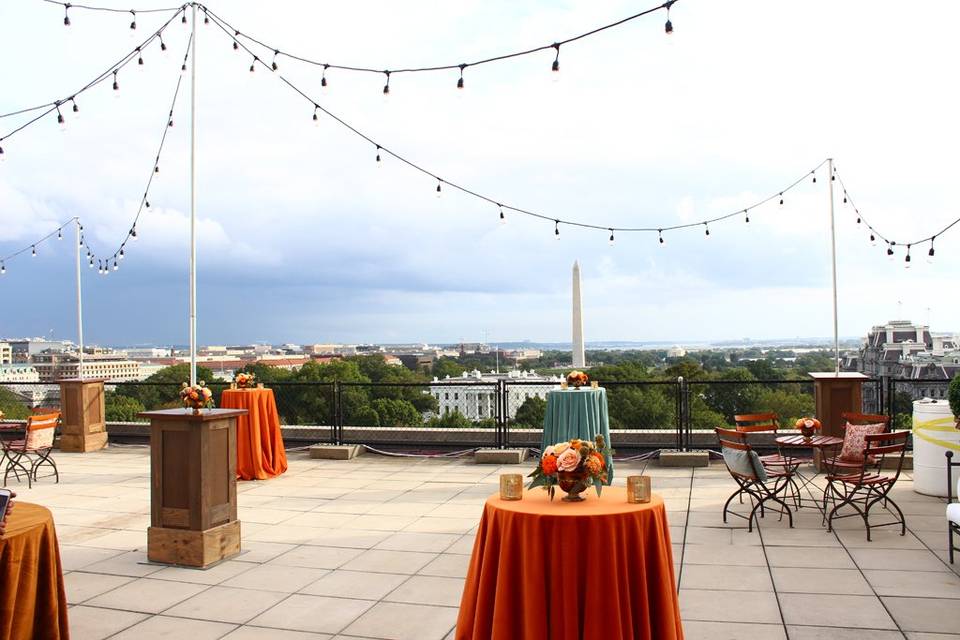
(644, 414)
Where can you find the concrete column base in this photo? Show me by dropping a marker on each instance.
(500, 456)
(336, 451)
(670, 458)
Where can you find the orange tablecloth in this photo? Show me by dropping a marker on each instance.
(260, 452)
(33, 603)
(595, 570)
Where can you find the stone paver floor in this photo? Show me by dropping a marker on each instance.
(378, 547)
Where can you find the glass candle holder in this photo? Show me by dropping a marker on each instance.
(259, 385)
(594, 384)
(511, 486)
(638, 489)
(564, 385)
(233, 385)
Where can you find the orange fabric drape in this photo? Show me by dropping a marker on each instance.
(33, 603)
(260, 452)
(596, 570)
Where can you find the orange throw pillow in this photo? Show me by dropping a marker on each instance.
(855, 440)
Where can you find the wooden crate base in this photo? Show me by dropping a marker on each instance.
(83, 443)
(193, 548)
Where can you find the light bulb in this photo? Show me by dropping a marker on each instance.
(503, 218)
(747, 215)
(3, 268)
(61, 120)
(706, 229)
(75, 109)
(660, 234)
(121, 254)
(781, 198)
(33, 251)
(611, 238)
(556, 229)
(438, 189)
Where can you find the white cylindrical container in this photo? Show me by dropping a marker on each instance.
(934, 433)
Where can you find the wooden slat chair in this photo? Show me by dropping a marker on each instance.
(33, 451)
(770, 423)
(865, 488)
(760, 483)
(953, 508)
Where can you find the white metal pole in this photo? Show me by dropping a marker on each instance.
(79, 304)
(833, 252)
(193, 200)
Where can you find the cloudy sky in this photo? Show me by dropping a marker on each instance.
(305, 239)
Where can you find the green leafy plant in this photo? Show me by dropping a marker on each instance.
(953, 394)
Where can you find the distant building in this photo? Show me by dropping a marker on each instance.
(53, 366)
(902, 350)
(18, 373)
(474, 394)
(676, 352)
(6, 353)
(523, 354)
(149, 353)
(23, 350)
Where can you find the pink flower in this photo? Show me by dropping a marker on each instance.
(569, 460)
(549, 451)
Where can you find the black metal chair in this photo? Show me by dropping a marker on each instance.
(865, 488)
(953, 508)
(753, 477)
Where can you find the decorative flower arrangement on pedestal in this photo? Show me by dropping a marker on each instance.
(574, 466)
(577, 379)
(196, 397)
(244, 380)
(808, 427)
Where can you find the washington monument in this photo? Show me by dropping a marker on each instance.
(579, 359)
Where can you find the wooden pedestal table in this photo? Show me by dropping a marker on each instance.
(193, 486)
(33, 603)
(83, 427)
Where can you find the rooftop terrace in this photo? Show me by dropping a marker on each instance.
(378, 547)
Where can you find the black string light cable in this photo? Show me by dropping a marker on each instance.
(381, 149)
(118, 256)
(890, 243)
(459, 67)
(32, 247)
(69, 101)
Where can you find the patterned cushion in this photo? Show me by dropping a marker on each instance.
(855, 440)
(740, 462)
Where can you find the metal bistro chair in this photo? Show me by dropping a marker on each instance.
(770, 423)
(865, 488)
(753, 477)
(953, 508)
(29, 454)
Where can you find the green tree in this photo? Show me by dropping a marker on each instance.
(12, 405)
(444, 367)
(121, 408)
(162, 389)
(267, 374)
(787, 403)
(731, 399)
(531, 413)
(397, 413)
(450, 420)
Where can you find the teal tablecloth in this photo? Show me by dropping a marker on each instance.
(577, 413)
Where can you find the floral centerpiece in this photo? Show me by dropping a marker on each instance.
(577, 379)
(244, 380)
(196, 397)
(573, 465)
(808, 427)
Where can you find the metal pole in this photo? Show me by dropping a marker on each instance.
(79, 304)
(833, 253)
(193, 199)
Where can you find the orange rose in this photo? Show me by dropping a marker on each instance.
(549, 465)
(593, 465)
(576, 444)
(599, 456)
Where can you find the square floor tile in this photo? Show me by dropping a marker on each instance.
(263, 633)
(925, 614)
(275, 577)
(83, 586)
(723, 577)
(729, 606)
(162, 627)
(381, 561)
(697, 630)
(807, 580)
(355, 584)
(918, 584)
(93, 623)
(301, 612)
(146, 595)
(432, 590)
(226, 604)
(858, 612)
(394, 621)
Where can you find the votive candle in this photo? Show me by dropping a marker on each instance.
(511, 486)
(638, 489)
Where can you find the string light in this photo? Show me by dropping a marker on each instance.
(74, 108)
(236, 45)
(133, 232)
(253, 63)
(746, 215)
(814, 174)
(907, 258)
(781, 198)
(273, 64)
(33, 251)
(163, 45)
(438, 188)
(66, 15)
(386, 87)
(503, 218)
(115, 265)
(237, 34)
(323, 76)
(931, 252)
(140, 57)
(121, 254)
(556, 229)
(660, 234)
(133, 25)
(3, 268)
(60, 120)
(890, 249)
(378, 148)
(706, 227)
(460, 81)
(611, 237)
(316, 118)
(60, 234)
(116, 85)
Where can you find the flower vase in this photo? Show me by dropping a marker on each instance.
(196, 411)
(807, 433)
(573, 483)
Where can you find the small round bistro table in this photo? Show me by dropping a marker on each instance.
(260, 450)
(33, 602)
(601, 569)
(817, 443)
